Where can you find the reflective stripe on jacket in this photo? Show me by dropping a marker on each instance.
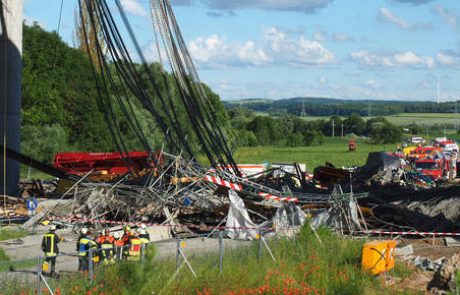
(135, 249)
(49, 244)
(84, 244)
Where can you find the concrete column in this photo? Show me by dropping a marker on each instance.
(11, 18)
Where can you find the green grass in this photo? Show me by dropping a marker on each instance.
(7, 233)
(334, 150)
(425, 119)
(303, 264)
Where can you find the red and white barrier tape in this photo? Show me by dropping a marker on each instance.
(268, 196)
(220, 181)
(409, 233)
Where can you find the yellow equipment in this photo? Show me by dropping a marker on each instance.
(45, 266)
(378, 256)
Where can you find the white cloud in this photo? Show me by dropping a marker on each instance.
(396, 60)
(448, 59)
(296, 51)
(388, 16)
(372, 83)
(274, 47)
(133, 7)
(450, 18)
(305, 6)
(214, 51)
(319, 36)
(342, 37)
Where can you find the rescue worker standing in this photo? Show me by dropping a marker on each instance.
(83, 245)
(135, 248)
(118, 245)
(126, 238)
(50, 247)
(106, 245)
(143, 234)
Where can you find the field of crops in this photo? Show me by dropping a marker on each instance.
(409, 118)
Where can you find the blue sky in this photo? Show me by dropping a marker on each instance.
(374, 49)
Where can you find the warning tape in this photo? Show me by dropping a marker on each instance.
(220, 181)
(410, 233)
(268, 196)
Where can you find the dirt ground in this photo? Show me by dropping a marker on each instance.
(418, 281)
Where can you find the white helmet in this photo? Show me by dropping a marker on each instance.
(143, 226)
(141, 231)
(117, 235)
(52, 227)
(84, 231)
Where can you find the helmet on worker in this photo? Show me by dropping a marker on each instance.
(52, 227)
(126, 228)
(84, 231)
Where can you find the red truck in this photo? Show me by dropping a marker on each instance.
(437, 169)
(107, 166)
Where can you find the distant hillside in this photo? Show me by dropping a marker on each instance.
(316, 106)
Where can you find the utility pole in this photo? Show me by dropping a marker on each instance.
(437, 88)
(333, 128)
(342, 131)
(456, 112)
(369, 111)
(10, 90)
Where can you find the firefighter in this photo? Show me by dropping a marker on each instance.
(143, 232)
(134, 253)
(118, 245)
(126, 238)
(105, 243)
(83, 245)
(50, 247)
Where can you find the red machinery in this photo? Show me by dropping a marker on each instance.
(434, 168)
(106, 166)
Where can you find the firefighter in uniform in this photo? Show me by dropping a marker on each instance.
(106, 245)
(143, 232)
(134, 253)
(50, 247)
(144, 236)
(83, 245)
(126, 238)
(118, 245)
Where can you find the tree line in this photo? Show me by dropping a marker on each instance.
(288, 130)
(338, 107)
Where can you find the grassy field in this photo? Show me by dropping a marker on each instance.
(334, 150)
(425, 119)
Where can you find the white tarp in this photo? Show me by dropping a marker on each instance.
(238, 220)
(289, 215)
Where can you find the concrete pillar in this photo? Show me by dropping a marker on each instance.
(11, 18)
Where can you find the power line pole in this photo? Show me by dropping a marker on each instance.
(333, 127)
(456, 120)
(438, 88)
(369, 111)
(342, 131)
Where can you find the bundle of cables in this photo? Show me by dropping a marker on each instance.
(121, 77)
